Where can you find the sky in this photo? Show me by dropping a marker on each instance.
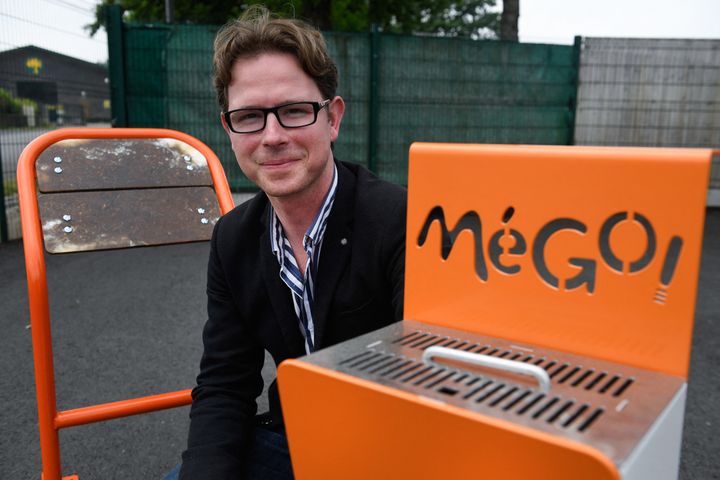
(58, 24)
(558, 21)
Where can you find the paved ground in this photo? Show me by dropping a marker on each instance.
(108, 343)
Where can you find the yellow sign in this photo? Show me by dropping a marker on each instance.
(34, 64)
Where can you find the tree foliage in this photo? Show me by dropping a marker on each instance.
(466, 18)
(13, 105)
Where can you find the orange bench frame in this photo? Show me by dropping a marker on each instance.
(50, 419)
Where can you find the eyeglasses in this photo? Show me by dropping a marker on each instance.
(290, 115)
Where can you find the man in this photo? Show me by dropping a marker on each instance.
(314, 259)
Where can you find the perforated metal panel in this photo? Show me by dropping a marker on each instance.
(605, 405)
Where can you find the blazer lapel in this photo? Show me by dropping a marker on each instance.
(336, 248)
(279, 294)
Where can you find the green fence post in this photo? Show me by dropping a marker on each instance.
(577, 47)
(116, 65)
(374, 110)
(3, 214)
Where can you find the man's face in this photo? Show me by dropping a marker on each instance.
(283, 162)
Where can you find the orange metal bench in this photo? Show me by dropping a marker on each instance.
(80, 190)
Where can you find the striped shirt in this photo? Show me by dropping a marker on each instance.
(302, 289)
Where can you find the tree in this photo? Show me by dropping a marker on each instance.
(509, 20)
(13, 105)
(467, 18)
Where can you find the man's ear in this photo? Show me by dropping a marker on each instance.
(224, 124)
(336, 110)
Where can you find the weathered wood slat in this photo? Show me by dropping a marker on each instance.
(113, 219)
(76, 165)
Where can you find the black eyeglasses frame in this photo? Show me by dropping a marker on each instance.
(317, 106)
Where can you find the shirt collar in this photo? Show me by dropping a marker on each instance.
(316, 231)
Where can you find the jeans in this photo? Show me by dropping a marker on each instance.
(267, 459)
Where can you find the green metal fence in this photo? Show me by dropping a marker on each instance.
(398, 90)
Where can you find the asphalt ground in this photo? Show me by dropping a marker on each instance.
(128, 323)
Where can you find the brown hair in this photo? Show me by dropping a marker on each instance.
(256, 32)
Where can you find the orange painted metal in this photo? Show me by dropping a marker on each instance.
(592, 251)
(617, 295)
(49, 419)
(123, 408)
(356, 429)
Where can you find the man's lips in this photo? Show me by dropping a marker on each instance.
(277, 162)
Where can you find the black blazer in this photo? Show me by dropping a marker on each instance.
(359, 288)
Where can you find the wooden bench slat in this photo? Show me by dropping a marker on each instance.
(77, 165)
(113, 219)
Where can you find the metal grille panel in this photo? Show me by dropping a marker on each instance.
(606, 405)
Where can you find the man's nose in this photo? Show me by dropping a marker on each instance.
(274, 133)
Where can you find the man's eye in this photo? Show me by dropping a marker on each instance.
(246, 117)
(295, 112)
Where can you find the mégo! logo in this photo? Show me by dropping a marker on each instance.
(471, 221)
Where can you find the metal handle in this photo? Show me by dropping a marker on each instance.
(512, 366)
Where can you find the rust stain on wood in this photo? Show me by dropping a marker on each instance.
(113, 219)
(77, 165)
